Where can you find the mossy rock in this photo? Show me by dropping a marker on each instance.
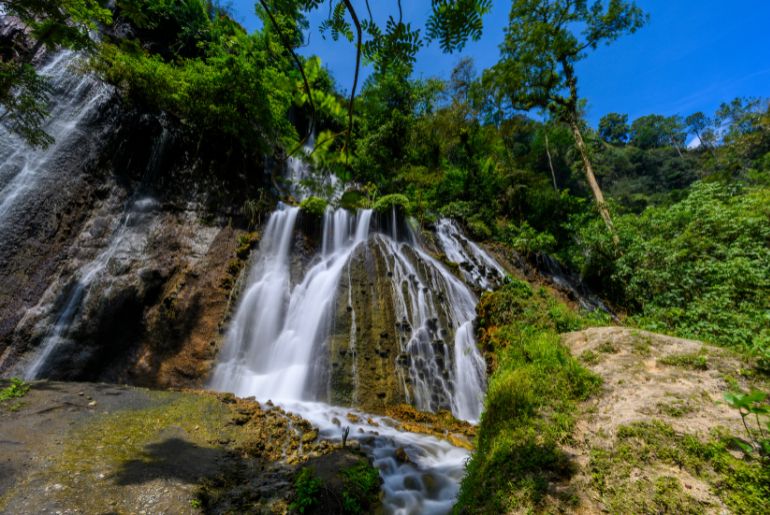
(314, 206)
(388, 202)
(353, 200)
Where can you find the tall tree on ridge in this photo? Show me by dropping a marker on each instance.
(544, 41)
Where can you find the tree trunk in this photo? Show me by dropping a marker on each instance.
(676, 146)
(550, 162)
(591, 178)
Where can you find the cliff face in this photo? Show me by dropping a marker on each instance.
(118, 242)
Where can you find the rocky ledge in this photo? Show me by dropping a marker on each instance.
(97, 448)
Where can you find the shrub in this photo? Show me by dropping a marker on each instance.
(362, 488)
(530, 404)
(388, 202)
(314, 206)
(699, 268)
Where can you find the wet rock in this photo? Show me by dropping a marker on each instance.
(401, 455)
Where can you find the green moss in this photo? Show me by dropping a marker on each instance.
(10, 395)
(530, 405)
(314, 206)
(396, 200)
(695, 361)
(122, 436)
(362, 488)
(744, 486)
(307, 488)
(246, 242)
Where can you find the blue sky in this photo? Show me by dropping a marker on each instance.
(691, 56)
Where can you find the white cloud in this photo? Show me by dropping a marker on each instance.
(694, 143)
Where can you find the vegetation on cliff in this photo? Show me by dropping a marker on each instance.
(530, 407)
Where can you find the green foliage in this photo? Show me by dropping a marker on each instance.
(656, 131)
(24, 94)
(353, 200)
(755, 413)
(542, 45)
(613, 128)
(198, 65)
(530, 404)
(387, 203)
(699, 268)
(314, 206)
(361, 488)
(527, 241)
(454, 22)
(307, 488)
(17, 389)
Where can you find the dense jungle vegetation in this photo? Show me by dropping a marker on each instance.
(675, 238)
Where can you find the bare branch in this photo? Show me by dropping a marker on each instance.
(298, 62)
(357, 23)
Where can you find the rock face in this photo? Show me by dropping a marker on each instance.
(653, 438)
(394, 330)
(118, 243)
(95, 448)
(367, 369)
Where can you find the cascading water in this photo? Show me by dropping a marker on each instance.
(476, 265)
(278, 344)
(77, 98)
(127, 240)
(274, 333)
(436, 305)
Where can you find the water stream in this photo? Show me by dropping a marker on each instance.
(76, 99)
(282, 326)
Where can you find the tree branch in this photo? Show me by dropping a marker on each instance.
(298, 62)
(357, 23)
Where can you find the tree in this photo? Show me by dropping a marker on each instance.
(657, 131)
(703, 128)
(613, 128)
(451, 23)
(543, 42)
(24, 94)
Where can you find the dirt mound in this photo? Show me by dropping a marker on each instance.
(657, 436)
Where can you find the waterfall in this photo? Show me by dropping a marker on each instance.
(271, 344)
(279, 331)
(476, 265)
(435, 305)
(279, 343)
(76, 99)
